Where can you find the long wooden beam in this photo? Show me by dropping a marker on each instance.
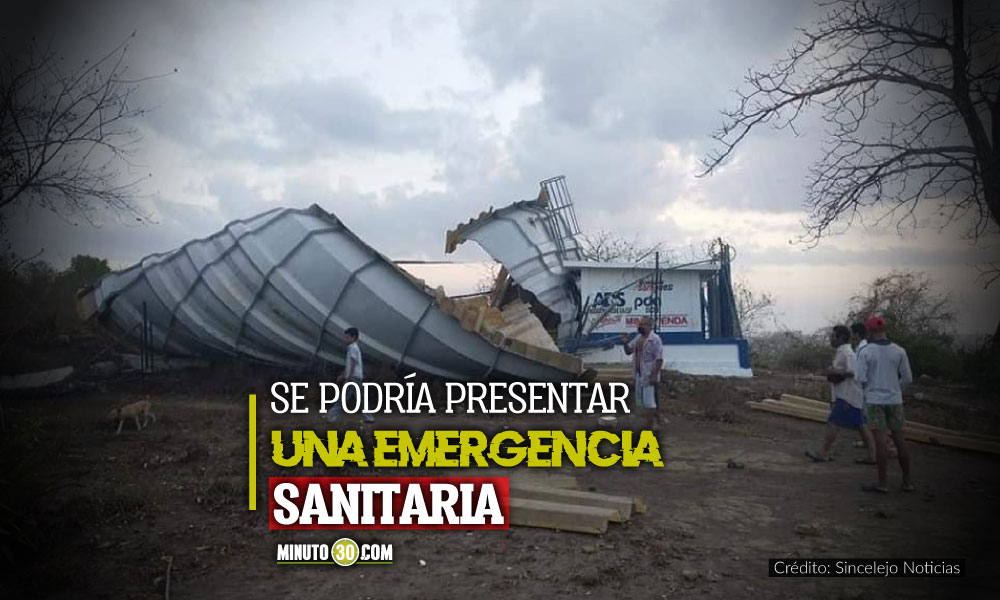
(777, 407)
(953, 441)
(933, 429)
(621, 505)
(564, 517)
(803, 401)
(911, 433)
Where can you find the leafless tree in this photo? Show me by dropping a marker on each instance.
(605, 246)
(488, 277)
(909, 302)
(66, 131)
(754, 308)
(910, 98)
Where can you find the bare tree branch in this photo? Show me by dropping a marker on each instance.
(989, 274)
(910, 99)
(910, 303)
(754, 309)
(605, 246)
(67, 133)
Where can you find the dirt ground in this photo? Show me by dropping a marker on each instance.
(179, 489)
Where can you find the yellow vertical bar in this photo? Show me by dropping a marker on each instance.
(253, 451)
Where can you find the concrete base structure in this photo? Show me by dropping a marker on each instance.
(710, 358)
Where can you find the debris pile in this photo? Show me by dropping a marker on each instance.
(281, 287)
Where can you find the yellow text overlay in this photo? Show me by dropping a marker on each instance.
(466, 448)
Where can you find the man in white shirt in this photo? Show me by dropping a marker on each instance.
(648, 361)
(883, 370)
(354, 372)
(859, 337)
(845, 399)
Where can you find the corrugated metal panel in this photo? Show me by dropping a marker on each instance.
(280, 288)
(526, 239)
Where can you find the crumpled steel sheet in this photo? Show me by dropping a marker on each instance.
(280, 287)
(524, 238)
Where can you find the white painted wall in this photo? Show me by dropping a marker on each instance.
(693, 359)
(622, 308)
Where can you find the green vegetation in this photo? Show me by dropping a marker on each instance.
(919, 319)
(37, 301)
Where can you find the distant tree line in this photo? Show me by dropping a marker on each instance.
(37, 301)
(919, 318)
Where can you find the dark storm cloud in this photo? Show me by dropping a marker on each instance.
(337, 114)
(660, 69)
(618, 80)
(235, 197)
(397, 223)
(286, 104)
(180, 110)
(600, 172)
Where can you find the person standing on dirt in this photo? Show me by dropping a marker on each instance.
(647, 351)
(353, 372)
(883, 369)
(845, 400)
(859, 337)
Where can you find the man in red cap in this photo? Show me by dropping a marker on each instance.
(859, 337)
(882, 370)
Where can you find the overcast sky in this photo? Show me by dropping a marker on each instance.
(404, 118)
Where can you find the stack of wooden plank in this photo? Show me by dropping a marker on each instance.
(618, 373)
(552, 500)
(816, 410)
(568, 510)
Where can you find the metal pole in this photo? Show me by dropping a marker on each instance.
(143, 359)
(656, 306)
(149, 343)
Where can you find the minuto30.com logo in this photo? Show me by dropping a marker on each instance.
(344, 552)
